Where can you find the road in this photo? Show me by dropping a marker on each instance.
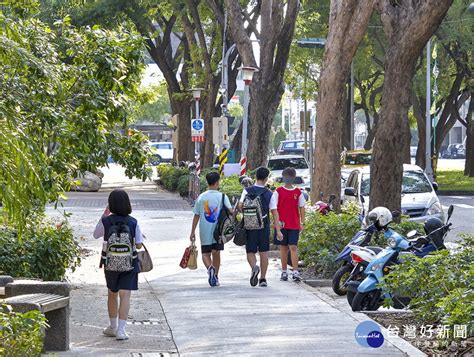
(462, 215)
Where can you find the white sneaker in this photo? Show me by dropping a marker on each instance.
(122, 335)
(110, 331)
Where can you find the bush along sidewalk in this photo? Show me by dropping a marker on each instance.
(441, 289)
(45, 250)
(176, 179)
(21, 334)
(325, 236)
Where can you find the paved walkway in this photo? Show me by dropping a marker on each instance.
(176, 312)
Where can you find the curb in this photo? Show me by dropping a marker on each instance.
(318, 283)
(405, 347)
(455, 193)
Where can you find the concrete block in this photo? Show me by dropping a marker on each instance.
(23, 287)
(5, 279)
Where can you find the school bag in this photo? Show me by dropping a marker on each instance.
(120, 252)
(225, 228)
(253, 213)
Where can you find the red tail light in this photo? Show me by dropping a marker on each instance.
(356, 258)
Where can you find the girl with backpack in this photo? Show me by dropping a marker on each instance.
(122, 238)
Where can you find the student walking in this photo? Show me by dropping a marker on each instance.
(256, 203)
(122, 238)
(206, 212)
(290, 204)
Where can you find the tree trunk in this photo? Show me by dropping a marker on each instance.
(260, 122)
(348, 21)
(277, 23)
(401, 20)
(469, 165)
(387, 168)
(183, 109)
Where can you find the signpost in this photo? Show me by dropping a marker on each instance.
(197, 130)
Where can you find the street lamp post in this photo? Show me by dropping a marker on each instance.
(428, 164)
(247, 75)
(310, 43)
(197, 96)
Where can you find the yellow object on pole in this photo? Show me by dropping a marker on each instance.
(223, 160)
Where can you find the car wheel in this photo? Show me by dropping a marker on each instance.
(156, 160)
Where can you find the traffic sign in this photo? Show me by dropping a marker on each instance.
(220, 132)
(197, 130)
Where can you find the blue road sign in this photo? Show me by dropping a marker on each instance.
(197, 124)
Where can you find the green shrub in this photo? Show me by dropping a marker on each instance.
(45, 251)
(324, 237)
(441, 285)
(170, 175)
(21, 334)
(231, 187)
(183, 185)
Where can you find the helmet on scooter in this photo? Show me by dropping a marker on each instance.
(431, 225)
(380, 216)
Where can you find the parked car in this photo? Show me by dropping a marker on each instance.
(291, 147)
(419, 199)
(455, 151)
(276, 164)
(356, 158)
(161, 152)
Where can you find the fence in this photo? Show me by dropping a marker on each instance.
(194, 187)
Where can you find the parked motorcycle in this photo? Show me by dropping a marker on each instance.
(350, 269)
(323, 207)
(369, 297)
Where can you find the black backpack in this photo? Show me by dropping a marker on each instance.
(225, 229)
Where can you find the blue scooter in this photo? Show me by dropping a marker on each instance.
(369, 296)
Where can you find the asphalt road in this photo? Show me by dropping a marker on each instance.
(463, 215)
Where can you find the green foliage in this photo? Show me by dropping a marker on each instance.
(65, 93)
(324, 237)
(454, 180)
(445, 295)
(155, 106)
(231, 187)
(21, 334)
(45, 251)
(170, 176)
(280, 136)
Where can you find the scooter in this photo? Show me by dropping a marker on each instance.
(349, 271)
(369, 297)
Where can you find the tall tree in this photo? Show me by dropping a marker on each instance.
(348, 22)
(277, 23)
(408, 26)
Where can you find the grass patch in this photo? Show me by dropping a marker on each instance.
(454, 180)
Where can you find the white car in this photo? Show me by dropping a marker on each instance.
(161, 151)
(419, 199)
(276, 164)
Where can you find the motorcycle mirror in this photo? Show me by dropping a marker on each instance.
(412, 233)
(362, 199)
(332, 197)
(450, 211)
(395, 215)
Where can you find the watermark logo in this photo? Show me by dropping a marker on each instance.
(368, 334)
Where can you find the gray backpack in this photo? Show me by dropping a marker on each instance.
(253, 212)
(120, 251)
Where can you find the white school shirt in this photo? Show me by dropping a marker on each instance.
(273, 201)
(301, 199)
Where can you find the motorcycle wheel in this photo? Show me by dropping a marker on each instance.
(350, 296)
(363, 302)
(339, 278)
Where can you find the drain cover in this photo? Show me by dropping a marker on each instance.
(150, 354)
(143, 322)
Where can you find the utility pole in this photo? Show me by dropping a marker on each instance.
(428, 164)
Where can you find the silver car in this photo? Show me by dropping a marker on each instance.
(419, 199)
(276, 164)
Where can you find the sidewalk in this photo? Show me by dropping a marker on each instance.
(176, 312)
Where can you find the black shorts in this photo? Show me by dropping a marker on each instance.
(290, 237)
(258, 240)
(209, 248)
(122, 281)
